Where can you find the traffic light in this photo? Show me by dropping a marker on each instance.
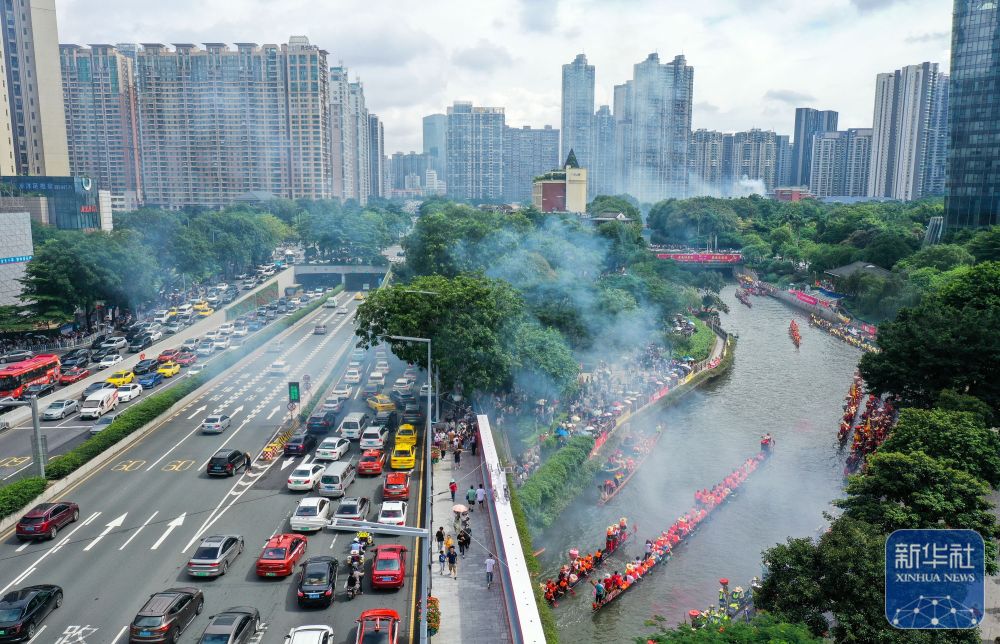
(293, 392)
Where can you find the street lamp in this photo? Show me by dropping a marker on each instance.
(428, 504)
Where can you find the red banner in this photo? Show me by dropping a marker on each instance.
(719, 258)
(659, 394)
(869, 328)
(808, 299)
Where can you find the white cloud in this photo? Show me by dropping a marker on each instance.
(416, 61)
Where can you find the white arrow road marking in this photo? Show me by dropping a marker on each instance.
(273, 412)
(138, 530)
(287, 462)
(198, 411)
(116, 523)
(237, 410)
(176, 523)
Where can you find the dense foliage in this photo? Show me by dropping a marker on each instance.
(15, 496)
(557, 482)
(760, 630)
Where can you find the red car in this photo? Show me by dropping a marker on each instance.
(378, 626)
(371, 462)
(389, 566)
(45, 520)
(186, 358)
(73, 374)
(167, 355)
(396, 486)
(281, 555)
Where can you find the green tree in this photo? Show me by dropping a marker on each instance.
(544, 363)
(615, 203)
(985, 246)
(943, 257)
(793, 587)
(888, 247)
(762, 629)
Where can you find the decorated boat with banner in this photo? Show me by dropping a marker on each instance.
(581, 566)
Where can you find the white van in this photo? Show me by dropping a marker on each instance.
(336, 478)
(353, 425)
(100, 403)
(331, 302)
(185, 310)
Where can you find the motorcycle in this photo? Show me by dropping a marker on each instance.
(365, 538)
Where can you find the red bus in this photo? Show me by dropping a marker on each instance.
(40, 369)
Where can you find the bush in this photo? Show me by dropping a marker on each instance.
(553, 486)
(698, 346)
(19, 494)
(534, 568)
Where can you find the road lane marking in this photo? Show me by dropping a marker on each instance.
(62, 543)
(37, 634)
(197, 411)
(178, 466)
(115, 523)
(175, 446)
(14, 461)
(232, 435)
(138, 530)
(176, 523)
(23, 546)
(273, 412)
(128, 466)
(120, 633)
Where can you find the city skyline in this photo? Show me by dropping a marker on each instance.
(410, 70)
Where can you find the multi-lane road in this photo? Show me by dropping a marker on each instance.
(143, 514)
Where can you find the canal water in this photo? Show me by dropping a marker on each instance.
(797, 395)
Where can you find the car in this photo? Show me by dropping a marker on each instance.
(149, 365)
(213, 300)
(75, 358)
(163, 316)
(354, 508)
(221, 342)
(403, 458)
(226, 462)
(425, 390)
(73, 374)
(332, 448)
(381, 402)
(299, 444)
(241, 331)
(226, 328)
(280, 555)
(190, 344)
(387, 419)
(45, 520)
(115, 342)
(215, 554)
(166, 614)
(313, 634)
(405, 435)
(129, 392)
(396, 486)
(205, 348)
(186, 358)
(312, 514)
(93, 388)
(59, 409)
(169, 369)
(174, 326)
(38, 390)
(374, 437)
(370, 389)
(204, 313)
(402, 385)
(330, 303)
(23, 610)
(319, 329)
(342, 391)
(236, 625)
(410, 373)
(352, 376)
(359, 296)
(119, 378)
(412, 415)
(377, 377)
(151, 379)
(199, 305)
(109, 360)
(333, 403)
(317, 582)
(278, 368)
(372, 461)
(321, 422)
(98, 341)
(382, 366)
(140, 342)
(377, 626)
(358, 354)
(155, 333)
(167, 355)
(102, 423)
(392, 513)
(402, 398)
(215, 424)
(305, 477)
(389, 563)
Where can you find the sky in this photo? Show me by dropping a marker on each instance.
(754, 61)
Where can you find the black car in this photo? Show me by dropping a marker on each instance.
(98, 354)
(98, 341)
(412, 414)
(300, 444)
(75, 358)
(140, 342)
(402, 397)
(94, 387)
(38, 390)
(387, 419)
(236, 625)
(146, 366)
(16, 356)
(22, 611)
(317, 582)
(322, 422)
(226, 462)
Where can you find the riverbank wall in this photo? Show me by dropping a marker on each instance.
(794, 301)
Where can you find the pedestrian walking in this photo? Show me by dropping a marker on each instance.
(441, 561)
(458, 457)
(474, 444)
(470, 497)
(453, 563)
(439, 535)
(464, 541)
(453, 486)
(490, 563)
(247, 460)
(481, 497)
(449, 542)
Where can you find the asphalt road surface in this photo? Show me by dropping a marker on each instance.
(142, 515)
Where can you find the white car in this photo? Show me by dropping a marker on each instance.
(190, 344)
(227, 328)
(222, 287)
(332, 448)
(377, 377)
(205, 348)
(109, 361)
(382, 365)
(117, 342)
(401, 385)
(278, 368)
(305, 477)
(129, 392)
(315, 634)
(426, 389)
(195, 369)
(155, 333)
(241, 331)
(374, 437)
(353, 375)
(211, 334)
(221, 342)
(215, 424)
(392, 513)
(312, 514)
(342, 310)
(342, 391)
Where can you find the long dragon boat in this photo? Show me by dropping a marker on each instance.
(744, 297)
(580, 567)
(793, 333)
(641, 449)
(707, 501)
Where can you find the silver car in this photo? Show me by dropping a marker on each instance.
(215, 554)
(60, 409)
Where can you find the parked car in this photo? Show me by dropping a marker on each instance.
(280, 555)
(389, 565)
(354, 508)
(22, 610)
(317, 582)
(73, 374)
(396, 486)
(215, 554)
(59, 409)
(236, 625)
(46, 519)
(166, 614)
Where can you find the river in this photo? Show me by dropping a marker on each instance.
(797, 395)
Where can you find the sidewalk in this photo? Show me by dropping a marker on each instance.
(469, 612)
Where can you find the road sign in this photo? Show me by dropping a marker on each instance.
(294, 395)
(307, 382)
(291, 406)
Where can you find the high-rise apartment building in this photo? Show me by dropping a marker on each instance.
(658, 107)
(8, 165)
(376, 156)
(807, 123)
(578, 110)
(782, 160)
(909, 133)
(34, 87)
(217, 123)
(475, 152)
(102, 121)
(973, 194)
(436, 142)
(350, 137)
(705, 161)
(754, 154)
(527, 153)
(408, 171)
(602, 170)
(622, 107)
(840, 163)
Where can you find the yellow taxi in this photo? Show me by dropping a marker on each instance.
(169, 369)
(201, 306)
(403, 458)
(381, 402)
(359, 296)
(120, 378)
(172, 312)
(206, 312)
(406, 435)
